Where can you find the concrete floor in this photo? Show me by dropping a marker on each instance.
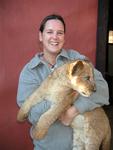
(109, 111)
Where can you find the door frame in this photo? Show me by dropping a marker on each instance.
(102, 36)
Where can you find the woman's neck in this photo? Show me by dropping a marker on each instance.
(50, 58)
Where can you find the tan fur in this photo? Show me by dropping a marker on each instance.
(62, 88)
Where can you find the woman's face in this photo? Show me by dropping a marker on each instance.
(52, 36)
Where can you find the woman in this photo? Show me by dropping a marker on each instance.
(52, 36)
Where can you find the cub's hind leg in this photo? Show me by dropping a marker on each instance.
(78, 133)
(106, 143)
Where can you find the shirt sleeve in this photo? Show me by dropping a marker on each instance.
(27, 84)
(97, 99)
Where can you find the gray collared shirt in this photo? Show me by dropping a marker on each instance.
(31, 76)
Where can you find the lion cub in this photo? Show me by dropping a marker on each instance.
(62, 88)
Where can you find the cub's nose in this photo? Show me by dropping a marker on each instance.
(94, 88)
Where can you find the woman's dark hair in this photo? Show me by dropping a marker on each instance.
(50, 17)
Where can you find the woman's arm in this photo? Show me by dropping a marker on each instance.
(83, 104)
(98, 98)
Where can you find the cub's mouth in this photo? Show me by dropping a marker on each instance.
(87, 93)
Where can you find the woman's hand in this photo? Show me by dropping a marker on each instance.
(67, 117)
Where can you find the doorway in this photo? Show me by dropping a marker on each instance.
(104, 51)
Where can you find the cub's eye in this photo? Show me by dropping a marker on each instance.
(86, 77)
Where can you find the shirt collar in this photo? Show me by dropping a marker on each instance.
(64, 53)
(37, 61)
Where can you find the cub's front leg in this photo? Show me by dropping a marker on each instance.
(32, 100)
(46, 120)
(49, 117)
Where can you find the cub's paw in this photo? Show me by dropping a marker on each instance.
(22, 115)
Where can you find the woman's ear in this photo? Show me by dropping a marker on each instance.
(40, 36)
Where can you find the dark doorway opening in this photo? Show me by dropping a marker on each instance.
(104, 51)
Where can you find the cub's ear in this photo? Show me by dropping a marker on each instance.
(77, 67)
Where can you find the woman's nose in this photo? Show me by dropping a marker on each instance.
(55, 35)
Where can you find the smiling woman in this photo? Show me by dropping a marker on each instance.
(52, 36)
(52, 39)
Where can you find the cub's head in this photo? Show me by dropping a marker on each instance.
(81, 76)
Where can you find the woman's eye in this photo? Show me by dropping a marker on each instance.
(49, 32)
(60, 33)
